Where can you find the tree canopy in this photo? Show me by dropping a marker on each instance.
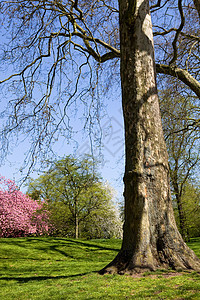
(55, 53)
(80, 204)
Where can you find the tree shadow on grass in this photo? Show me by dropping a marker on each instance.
(91, 245)
(66, 241)
(55, 242)
(55, 249)
(42, 278)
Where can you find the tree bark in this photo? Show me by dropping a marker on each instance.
(151, 239)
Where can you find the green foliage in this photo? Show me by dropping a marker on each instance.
(191, 208)
(180, 118)
(79, 203)
(60, 268)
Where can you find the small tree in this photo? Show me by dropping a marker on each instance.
(19, 214)
(78, 202)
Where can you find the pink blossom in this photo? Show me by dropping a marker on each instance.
(19, 214)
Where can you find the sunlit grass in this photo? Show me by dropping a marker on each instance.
(59, 268)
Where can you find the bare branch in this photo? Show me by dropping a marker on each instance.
(182, 75)
(178, 31)
(193, 126)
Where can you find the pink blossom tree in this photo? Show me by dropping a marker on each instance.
(19, 214)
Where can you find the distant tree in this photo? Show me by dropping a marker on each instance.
(191, 208)
(19, 214)
(103, 221)
(181, 125)
(77, 199)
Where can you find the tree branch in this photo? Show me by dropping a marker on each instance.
(174, 43)
(182, 75)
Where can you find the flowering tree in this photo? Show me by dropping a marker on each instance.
(19, 214)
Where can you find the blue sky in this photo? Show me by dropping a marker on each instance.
(112, 149)
(112, 142)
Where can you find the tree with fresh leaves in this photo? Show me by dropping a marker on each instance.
(19, 214)
(69, 44)
(78, 201)
(180, 119)
(190, 201)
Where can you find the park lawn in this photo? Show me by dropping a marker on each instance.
(60, 268)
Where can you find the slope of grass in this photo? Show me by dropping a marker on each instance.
(59, 268)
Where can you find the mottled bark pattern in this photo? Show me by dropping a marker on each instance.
(151, 239)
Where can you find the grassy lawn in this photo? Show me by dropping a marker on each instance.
(59, 268)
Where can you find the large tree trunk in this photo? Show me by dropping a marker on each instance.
(151, 239)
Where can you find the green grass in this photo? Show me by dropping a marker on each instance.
(59, 268)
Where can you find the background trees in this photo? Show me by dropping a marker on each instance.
(190, 200)
(69, 200)
(78, 202)
(181, 125)
(19, 214)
